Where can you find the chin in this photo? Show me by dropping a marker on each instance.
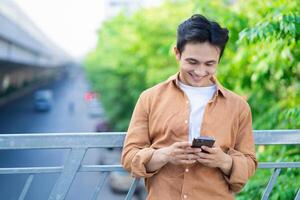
(201, 83)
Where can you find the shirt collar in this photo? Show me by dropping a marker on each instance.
(175, 79)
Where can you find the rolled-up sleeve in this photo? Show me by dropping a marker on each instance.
(136, 150)
(244, 161)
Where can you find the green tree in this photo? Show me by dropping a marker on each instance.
(133, 53)
(261, 62)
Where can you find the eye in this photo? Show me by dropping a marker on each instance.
(209, 64)
(192, 62)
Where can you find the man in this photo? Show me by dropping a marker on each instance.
(189, 104)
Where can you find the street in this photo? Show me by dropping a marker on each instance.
(69, 114)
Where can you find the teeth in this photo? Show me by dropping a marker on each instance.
(197, 77)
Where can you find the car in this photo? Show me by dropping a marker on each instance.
(120, 181)
(94, 106)
(95, 109)
(102, 126)
(43, 100)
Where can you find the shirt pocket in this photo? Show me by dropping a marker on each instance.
(222, 132)
(169, 125)
(178, 126)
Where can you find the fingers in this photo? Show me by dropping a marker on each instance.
(193, 150)
(216, 144)
(210, 150)
(182, 153)
(204, 161)
(178, 151)
(187, 157)
(186, 146)
(185, 151)
(205, 155)
(187, 162)
(182, 144)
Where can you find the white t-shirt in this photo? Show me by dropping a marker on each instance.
(198, 97)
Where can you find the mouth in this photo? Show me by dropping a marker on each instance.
(195, 77)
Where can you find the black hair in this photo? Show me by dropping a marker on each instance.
(199, 29)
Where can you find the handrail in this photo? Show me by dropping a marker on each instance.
(79, 143)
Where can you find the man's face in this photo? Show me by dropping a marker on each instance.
(198, 63)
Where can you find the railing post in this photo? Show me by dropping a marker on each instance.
(271, 184)
(67, 176)
(99, 185)
(26, 187)
(132, 188)
(298, 195)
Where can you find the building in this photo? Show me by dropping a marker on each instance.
(114, 7)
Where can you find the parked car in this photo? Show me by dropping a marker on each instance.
(102, 126)
(120, 182)
(43, 100)
(95, 108)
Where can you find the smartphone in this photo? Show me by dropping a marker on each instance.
(198, 142)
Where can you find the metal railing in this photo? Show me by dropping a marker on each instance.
(79, 143)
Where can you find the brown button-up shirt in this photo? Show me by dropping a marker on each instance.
(160, 118)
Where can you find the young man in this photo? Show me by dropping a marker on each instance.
(189, 104)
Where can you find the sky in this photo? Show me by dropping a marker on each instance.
(71, 24)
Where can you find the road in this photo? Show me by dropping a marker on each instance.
(19, 117)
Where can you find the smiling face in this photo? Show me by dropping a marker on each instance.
(198, 63)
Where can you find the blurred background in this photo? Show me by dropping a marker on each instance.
(79, 66)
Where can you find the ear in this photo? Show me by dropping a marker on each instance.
(177, 53)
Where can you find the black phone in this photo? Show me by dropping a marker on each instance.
(198, 142)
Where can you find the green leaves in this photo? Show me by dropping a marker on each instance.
(133, 53)
(280, 26)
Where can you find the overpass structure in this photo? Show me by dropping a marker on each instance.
(27, 56)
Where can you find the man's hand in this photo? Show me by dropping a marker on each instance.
(215, 158)
(180, 153)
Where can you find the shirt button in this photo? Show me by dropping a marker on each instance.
(186, 121)
(185, 196)
(186, 170)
